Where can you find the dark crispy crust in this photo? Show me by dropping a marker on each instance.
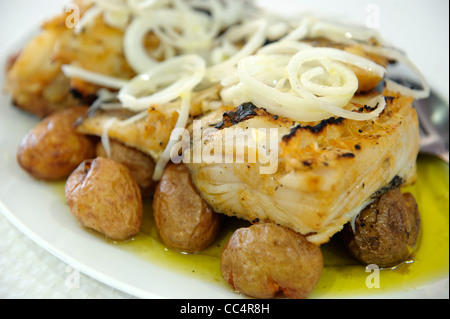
(242, 113)
(313, 129)
(247, 111)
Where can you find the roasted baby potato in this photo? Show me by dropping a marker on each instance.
(103, 196)
(386, 232)
(184, 221)
(140, 165)
(53, 148)
(265, 260)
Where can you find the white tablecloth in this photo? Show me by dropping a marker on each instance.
(27, 271)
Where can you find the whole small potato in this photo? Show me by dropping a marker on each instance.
(265, 260)
(141, 166)
(103, 196)
(184, 221)
(386, 232)
(53, 148)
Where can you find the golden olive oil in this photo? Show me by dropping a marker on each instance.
(342, 276)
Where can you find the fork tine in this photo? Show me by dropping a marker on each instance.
(431, 141)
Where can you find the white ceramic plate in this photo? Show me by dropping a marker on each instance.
(38, 211)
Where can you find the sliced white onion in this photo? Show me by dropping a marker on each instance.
(285, 47)
(341, 33)
(311, 27)
(142, 5)
(257, 31)
(331, 99)
(288, 77)
(403, 90)
(135, 118)
(275, 101)
(189, 32)
(180, 28)
(297, 34)
(216, 12)
(164, 83)
(396, 55)
(72, 71)
(88, 18)
(341, 56)
(261, 77)
(117, 18)
(105, 135)
(134, 50)
(182, 121)
(104, 96)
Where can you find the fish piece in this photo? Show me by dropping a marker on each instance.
(151, 133)
(35, 80)
(34, 77)
(97, 48)
(367, 81)
(326, 172)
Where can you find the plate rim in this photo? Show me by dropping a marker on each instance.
(96, 274)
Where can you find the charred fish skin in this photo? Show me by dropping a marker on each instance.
(327, 171)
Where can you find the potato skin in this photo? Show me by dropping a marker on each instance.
(184, 221)
(103, 196)
(386, 231)
(265, 260)
(53, 148)
(141, 166)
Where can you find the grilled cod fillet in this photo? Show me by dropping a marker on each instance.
(327, 172)
(151, 133)
(34, 77)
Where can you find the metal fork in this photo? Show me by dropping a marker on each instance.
(434, 126)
